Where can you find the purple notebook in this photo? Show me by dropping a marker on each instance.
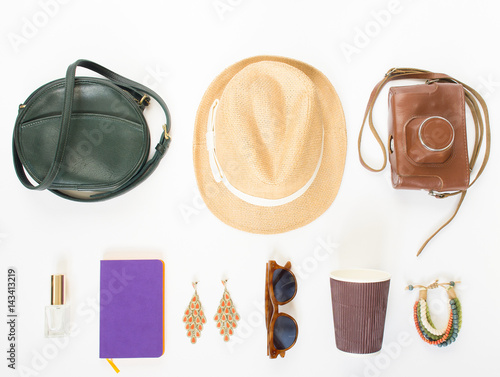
(131, 315)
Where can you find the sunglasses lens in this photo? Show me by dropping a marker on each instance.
(283, 285)
(285, 332)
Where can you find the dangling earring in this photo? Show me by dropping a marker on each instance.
(423, 321)
(226, 316)
(194, 317)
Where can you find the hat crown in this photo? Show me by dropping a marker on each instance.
(269, 131)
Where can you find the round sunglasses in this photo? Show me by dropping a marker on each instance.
(282, 329)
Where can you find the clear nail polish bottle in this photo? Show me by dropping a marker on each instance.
(57, 313)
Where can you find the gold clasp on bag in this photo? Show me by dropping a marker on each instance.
(145, 99)
(166, 135)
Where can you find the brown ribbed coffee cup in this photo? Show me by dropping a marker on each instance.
(359, 303)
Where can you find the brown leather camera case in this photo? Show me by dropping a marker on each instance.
(427, 137)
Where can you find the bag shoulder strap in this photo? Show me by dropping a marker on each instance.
(479, 112)
(138, 91)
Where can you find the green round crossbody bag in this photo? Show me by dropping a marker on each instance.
(86, 138)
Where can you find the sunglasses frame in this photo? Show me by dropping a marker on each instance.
(272, 309)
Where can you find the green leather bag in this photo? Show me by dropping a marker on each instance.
(86, 138)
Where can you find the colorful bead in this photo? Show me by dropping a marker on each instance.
(426, 329)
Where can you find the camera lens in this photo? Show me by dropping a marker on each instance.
(436, 134)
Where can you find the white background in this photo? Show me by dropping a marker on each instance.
(178, 48)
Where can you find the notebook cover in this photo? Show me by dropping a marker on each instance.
(131, 308)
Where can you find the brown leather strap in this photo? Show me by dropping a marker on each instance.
(462, 197)
(479, 112)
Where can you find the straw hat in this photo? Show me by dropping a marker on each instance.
(269, 145)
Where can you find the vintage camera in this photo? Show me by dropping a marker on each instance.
(427, 137)
(427, 143)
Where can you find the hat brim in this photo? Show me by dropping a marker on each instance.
(310, 205)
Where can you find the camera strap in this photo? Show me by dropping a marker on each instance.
(479, 112)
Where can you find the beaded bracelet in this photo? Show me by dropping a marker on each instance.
(423, 321)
